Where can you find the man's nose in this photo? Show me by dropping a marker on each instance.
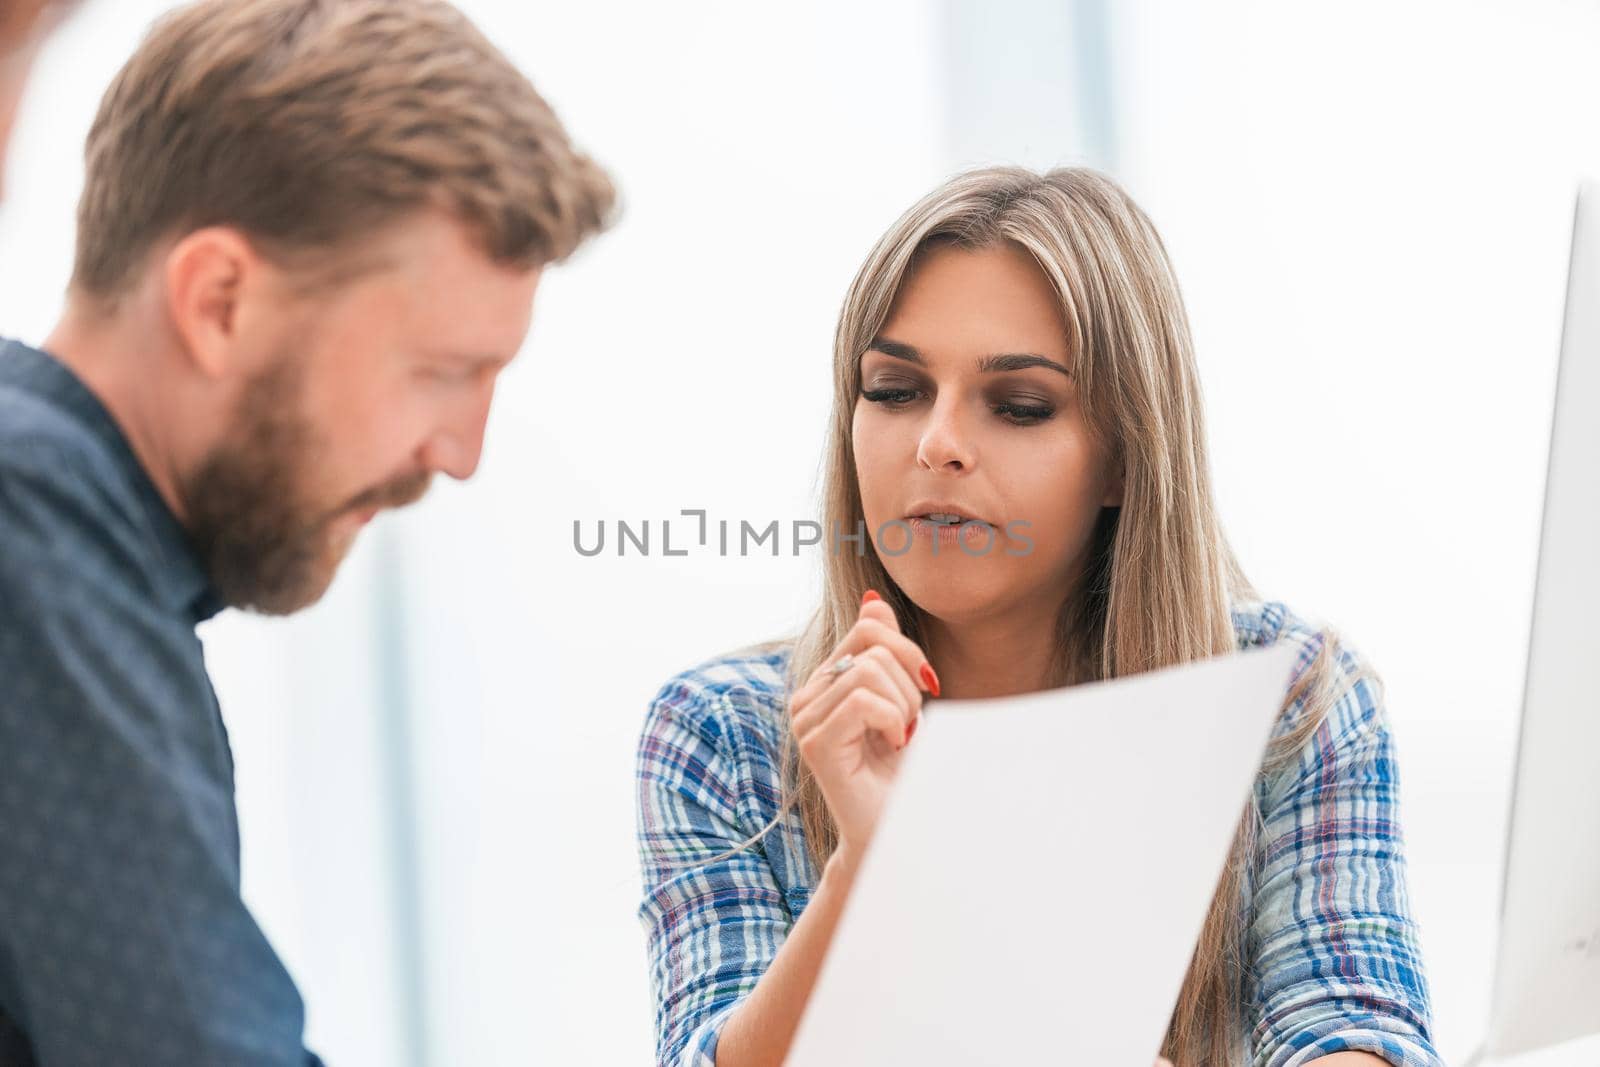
(453, 453)
(456, 447)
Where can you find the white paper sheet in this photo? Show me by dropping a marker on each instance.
(1039, 878)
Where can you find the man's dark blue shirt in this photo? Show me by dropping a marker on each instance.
(123, 937)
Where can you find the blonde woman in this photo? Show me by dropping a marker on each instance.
(1017, 427)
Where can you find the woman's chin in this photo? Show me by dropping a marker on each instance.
(949, 590)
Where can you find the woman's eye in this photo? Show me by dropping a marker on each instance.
(1018, 412)
(889, 397)
(1024, 414)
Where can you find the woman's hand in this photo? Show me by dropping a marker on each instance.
(852, 727)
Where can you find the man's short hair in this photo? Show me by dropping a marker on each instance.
(311, 124)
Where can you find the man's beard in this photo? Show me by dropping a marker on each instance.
(263, 547)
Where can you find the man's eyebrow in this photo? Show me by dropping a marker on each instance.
(995, 364)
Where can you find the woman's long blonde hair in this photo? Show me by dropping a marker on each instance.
(1161, 578)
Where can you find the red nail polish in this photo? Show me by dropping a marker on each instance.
(869, 596)
(912, 729)
(930, 679)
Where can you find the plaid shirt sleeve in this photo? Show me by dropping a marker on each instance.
(706, 783)
(1335, 964)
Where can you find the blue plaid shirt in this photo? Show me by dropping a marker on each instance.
(1333, 956)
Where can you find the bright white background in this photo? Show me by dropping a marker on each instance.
(1368, 205)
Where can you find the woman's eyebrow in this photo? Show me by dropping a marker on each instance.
(996, 364)
(1020, 361)
(897, 349)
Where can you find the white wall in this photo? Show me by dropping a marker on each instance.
(1368, 207)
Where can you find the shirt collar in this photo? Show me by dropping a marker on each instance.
(184, 583)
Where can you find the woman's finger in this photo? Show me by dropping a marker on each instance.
(855, 645)
(875, 607)
(860, 710)
(870, 671)
(916, 661)
(871, 630)
(910, 695)
(876, 625)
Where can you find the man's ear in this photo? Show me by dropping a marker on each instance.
(208, 273)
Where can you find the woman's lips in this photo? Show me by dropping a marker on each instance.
(972, 533)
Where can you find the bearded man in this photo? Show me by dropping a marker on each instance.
(308, 241)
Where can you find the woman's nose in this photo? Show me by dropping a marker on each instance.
(945, 443)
